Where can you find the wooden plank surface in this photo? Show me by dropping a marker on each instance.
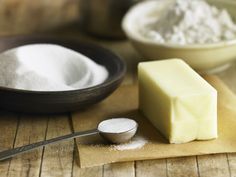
(182, 167)
(58, 158)
(8, 131)
(31, 129)
(125, 169)
(231, 157)
(213, 165)
(151, 168)
(87, 172)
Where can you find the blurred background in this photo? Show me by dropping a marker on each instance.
(26, 16)
(98, 17)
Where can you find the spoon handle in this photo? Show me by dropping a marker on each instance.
(19, 150)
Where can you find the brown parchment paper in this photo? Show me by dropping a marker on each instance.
(93, 151)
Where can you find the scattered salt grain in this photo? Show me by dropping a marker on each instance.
(136, 143)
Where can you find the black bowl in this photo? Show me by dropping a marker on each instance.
(62, 101)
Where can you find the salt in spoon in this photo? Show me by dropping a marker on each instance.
(116, 130)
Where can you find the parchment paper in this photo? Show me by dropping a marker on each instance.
(93, 151)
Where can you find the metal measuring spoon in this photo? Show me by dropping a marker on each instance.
(120, 135)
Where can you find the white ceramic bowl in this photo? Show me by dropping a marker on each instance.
(202, 57)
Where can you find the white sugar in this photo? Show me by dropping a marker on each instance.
(136, 143)
(48, 67)
(117, 125)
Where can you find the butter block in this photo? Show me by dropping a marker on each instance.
(177, 100)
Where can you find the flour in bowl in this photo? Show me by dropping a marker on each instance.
(48, 67)
(189, 22)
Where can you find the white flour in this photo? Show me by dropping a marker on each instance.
(136, 143)
(117, 125)
(190, 22)
(48, 67)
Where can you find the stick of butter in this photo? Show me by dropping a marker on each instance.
(177, 101)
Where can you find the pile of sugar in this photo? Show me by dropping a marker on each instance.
(190, 22)
(48, 67)
(117, 125)
(136, 143)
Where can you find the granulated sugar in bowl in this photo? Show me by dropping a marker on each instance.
(48, 67)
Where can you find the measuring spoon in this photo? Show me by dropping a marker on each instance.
(116, 130)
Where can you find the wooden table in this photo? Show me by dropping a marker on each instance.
(60, 159)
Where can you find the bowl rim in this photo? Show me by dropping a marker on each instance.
(135, 36)
(115, 77)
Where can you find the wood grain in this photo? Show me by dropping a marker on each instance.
(125, 169)
(31, 129)
(87, 172)
(182, 167)
(8, 130)
(232, 164)
(151, 168)
(213, 165)
(58, 158)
